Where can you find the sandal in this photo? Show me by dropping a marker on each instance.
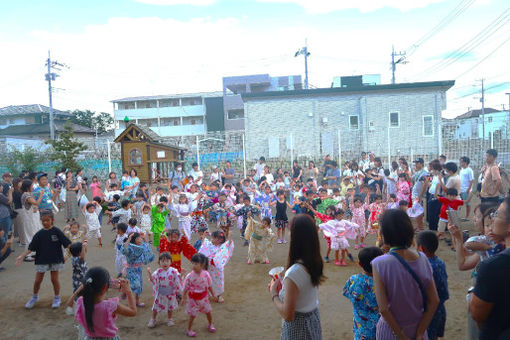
(140, 304)
(211, 328)
(191, 333)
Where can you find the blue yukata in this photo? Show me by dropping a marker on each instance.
(360, 290)
(263, 200)
(437, 325)
(136, 257)
(243, 211)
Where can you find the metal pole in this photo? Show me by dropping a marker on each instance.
(291, 151)
(393, 64)
(198, 153)
(52, 127)
(109, 157)
(412, 155)
(339, 149)
(306, 65)
(491, 135)
(483, 111)
(389, 149)
(244, 158)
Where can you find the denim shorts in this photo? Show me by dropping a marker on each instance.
(53, 267)
(464, 196)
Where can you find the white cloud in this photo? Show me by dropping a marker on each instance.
(148, 56)
(327, 6)
(177, 2)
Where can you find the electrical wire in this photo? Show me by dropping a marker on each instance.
(471, 44)
(462, 6)
(484, 58)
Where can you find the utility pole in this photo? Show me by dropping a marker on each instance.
(401, 60)
(508, 115)
(483, 110)
(304, 51)
(51, 76)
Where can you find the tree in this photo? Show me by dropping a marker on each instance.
(26, 159)
(66, 148)
(101, 121)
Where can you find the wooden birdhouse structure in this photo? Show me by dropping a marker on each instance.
(143, 150)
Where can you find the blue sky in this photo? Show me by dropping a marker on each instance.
(142, 47)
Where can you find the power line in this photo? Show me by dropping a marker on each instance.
(484, 58)
(461, 7)
(471, 44)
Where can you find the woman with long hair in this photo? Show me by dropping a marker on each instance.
(297, 300)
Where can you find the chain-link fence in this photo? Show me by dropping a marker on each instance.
(215, 148)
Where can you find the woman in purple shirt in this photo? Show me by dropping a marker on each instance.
(406, 309)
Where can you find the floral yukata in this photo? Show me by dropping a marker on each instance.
(197, 217)
(197, 285)
(166, 286)
(263, 200)
(175, 249)
(243, 212)
(219, 257)
(136, 257)
(261, 241)
(358, 217)
(361, 291)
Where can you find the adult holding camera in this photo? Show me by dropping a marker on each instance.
(297, 302)
(491, 297)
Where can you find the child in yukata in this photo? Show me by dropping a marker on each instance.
(137, 254)
(261, 238)
(219, 251)
(360, 290)
(264, 200)
(166, 288)
(172, 242)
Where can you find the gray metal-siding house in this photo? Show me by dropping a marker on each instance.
(402, 118)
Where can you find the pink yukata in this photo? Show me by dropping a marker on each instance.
(403, 191)
(219, 257)
(166, 286)
(198, 299)
(358, 217)
(335, 232)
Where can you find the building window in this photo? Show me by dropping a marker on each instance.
(176, 122)
(11, 121)
(3, 122)
(490, 120)
(235, 114)
(428, 126)
(394, 119)
(135, 157)
(353, 122)
(193, 122)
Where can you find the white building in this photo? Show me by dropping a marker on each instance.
(403, 119)
(470, 124)
(166, 115)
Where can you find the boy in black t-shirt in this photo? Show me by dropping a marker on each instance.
(47, 244)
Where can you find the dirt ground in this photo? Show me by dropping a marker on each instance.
(247, 310)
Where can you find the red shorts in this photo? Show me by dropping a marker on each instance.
(328, 241)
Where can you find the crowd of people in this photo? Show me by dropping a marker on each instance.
(399, 294)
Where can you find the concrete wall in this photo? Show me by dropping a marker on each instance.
(316, 121)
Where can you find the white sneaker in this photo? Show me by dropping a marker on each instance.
(152, 323)
(56, 302)
(170, 322)
(30, 304)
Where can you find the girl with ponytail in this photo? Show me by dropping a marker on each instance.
(96, 314)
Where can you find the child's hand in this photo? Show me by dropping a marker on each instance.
(18, 260)
(124, 286)
(149, 271)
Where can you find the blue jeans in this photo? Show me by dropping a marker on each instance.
(6, 226)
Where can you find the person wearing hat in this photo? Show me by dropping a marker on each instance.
(45, 188)
(420, 183)
(215, 174)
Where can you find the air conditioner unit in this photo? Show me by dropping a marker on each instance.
(310, 114)
(324, 120)
(371, 126)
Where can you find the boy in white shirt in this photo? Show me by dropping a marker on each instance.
(466, 183)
